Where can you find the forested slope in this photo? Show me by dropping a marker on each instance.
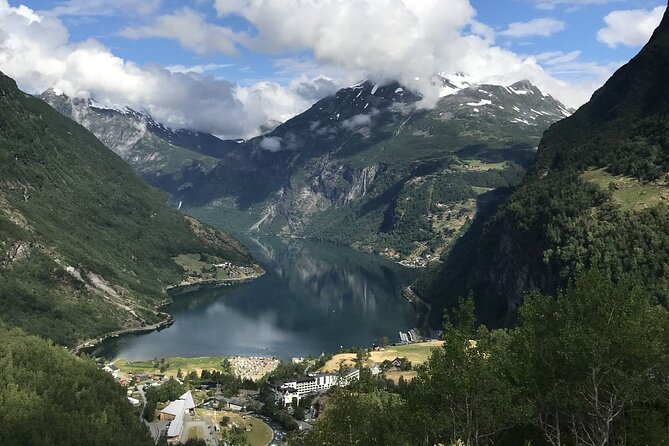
(86, 245)
(596, 196)
(49, 397)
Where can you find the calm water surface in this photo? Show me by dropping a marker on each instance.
(314, 298)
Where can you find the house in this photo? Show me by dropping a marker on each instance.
(375, 370)
(176, 413)
(111, 368)
(397, 362)
(288, 391)
(134, 401)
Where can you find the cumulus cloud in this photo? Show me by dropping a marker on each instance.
(630, 27)
(402, 40)
(339, 43)
(537, 27)
(36, 51)
(191, 31)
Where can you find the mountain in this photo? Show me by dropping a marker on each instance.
(163, 156)
(595, 197)
(86, 246)
(371, 168)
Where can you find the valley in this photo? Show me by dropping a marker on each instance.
(213, 233)
(409, 179)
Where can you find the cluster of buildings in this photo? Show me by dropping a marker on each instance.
(233, 270)
(293, 390)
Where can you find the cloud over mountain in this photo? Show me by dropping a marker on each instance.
(317, 47)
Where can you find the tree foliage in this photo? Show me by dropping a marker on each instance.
(589, 367)
(49, 397)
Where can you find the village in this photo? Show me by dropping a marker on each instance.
(215, 399)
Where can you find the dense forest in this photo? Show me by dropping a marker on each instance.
(86, 245)
(596, 196)
(50, 397)
(590, 367)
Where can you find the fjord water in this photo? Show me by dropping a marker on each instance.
(315, 297)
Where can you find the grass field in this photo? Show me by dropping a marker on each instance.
(416, 353)
(396, 374)
(173, 365)
(260, 433)
(190, 262)
(630, 193)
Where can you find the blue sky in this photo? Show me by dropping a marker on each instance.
(259, 60)
(581, 25)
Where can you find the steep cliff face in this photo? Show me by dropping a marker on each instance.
(165, 157)
(596, 197)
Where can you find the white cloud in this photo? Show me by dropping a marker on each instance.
(36, 51)
(536, 27)
(272, 144)
(630, 27)
(402, 40)
(357, 121)
(553, 58)
(347, 40)
(191, 31)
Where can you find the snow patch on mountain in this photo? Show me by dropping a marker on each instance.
(479, 103)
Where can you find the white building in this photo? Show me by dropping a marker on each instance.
(295, 389)
(175, 413)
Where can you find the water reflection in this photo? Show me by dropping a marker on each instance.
(315, 297)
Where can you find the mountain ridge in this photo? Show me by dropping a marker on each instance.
(335, 163)
(86, 246)
(595, 198)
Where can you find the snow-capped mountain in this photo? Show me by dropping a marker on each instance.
(369, 167)
(154, 150)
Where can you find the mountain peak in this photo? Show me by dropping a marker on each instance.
(524, 87)
(662, 31)
(7, 84)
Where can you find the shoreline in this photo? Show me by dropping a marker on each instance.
(92, 343)
(421, 308)
(168, 319)
(185, 288)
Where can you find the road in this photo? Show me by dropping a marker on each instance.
(155, 428)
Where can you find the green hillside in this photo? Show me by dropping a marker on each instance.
(596, 196)
(50, 397)
(86, 246)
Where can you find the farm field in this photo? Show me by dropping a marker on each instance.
(416, 353)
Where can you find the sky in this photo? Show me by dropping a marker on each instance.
(230, 66)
